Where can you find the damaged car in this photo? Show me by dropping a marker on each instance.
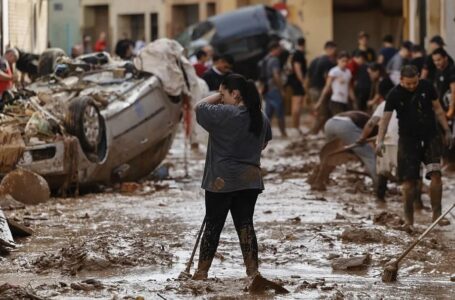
(244, 34)
(96, 120)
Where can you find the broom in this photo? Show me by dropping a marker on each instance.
(391, 268)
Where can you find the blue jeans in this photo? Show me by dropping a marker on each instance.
(349, 133)
(274, 104)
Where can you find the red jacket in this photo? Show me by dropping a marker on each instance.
(6, 84)
(100, 45)
(200, 69)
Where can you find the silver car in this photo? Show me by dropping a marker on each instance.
(116, 124)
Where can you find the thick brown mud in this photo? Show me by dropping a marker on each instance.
(133, 242)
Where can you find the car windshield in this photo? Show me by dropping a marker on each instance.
(276, 19)
(201, 30)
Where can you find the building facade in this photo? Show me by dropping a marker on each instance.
(24, 24)
(64, 24)
(134, 19)
(339, 20)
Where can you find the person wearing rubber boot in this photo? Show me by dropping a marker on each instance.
(417, 106)
(232, 180)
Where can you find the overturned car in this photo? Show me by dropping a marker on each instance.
(97, 120)
(243, 33)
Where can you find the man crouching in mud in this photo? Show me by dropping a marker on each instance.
(238, 132)
(417, 107)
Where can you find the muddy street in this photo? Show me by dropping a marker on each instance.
(133, 241)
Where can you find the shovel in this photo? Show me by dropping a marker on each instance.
(351, 146)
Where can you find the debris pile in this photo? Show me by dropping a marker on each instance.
(102, 252)
(9, 291)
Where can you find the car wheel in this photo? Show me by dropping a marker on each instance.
(46, 63)
(85, 121)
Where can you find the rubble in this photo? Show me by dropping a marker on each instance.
(26, 187)
(388, 219)
(350, 263)
(363, 235)
(103, 252)
(11, 148)
(6, 239)
(87, 285)
(18, 229)
(9, 291)
(7, 202)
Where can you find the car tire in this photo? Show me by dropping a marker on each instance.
(85, 121)
(47, 60)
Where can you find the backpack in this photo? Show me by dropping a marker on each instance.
(263, 79)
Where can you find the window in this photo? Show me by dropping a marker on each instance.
(58, 6)
(211, 9)
(153, 26)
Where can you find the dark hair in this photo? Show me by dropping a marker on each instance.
(409, 71)
(200, 54)
(250, 97)
(407, 45)
(363, 34)
(343, 54)
(330, 44)
(301, 41)
(437, 39)
(377, 67)
(216, 57)
(273, 45)
(360, 53)
(441, 52)
(417, 48)
(388, 39)
(226, 57)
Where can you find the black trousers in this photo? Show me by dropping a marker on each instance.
(241, 205)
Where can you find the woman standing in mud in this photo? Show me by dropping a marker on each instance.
(238, 132)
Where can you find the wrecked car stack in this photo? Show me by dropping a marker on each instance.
(98, 120)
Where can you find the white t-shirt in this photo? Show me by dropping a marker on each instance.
(391, 137)
(340, 84)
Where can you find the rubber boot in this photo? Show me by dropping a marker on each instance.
(436, 196)
(381, 188)
(202, 270)
(249, 246)
(209, 244)
(409, 191)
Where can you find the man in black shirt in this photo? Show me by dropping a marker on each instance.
(362, 42)
(445, 80)
(380, 84)
(317, 75)
(296, 81)
(417, 106)
(429, 69)
(362, 82)
(445, 84)
(418, 57)
(222, 66)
